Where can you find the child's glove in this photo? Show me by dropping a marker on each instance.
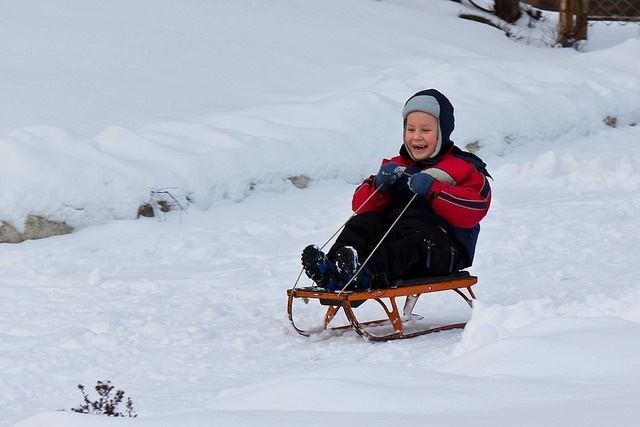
(387, 176)
(420, 183)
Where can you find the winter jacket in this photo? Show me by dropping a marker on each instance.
(458, 199)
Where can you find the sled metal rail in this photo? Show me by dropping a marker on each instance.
(411, 290)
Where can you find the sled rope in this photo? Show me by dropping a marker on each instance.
(347, 220)
(337, 231)
(379, 243)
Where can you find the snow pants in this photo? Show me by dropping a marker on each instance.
(413, 248)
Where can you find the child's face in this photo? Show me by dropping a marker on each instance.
(421, 134)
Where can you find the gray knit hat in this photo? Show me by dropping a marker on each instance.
(425, 103)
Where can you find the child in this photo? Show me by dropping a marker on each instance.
(418, 216)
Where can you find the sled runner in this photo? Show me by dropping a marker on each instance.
(410, 289)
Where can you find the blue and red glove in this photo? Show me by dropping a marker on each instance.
(387, 176)
(420, 183)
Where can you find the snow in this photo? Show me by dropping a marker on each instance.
(220, 104)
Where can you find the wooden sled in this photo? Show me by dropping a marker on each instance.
(410, 289)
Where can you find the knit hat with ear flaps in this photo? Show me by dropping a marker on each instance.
(435, 103)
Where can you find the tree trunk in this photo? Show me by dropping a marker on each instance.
(507, 10)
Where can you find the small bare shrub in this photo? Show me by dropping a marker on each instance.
(107, 403)
(162, 201)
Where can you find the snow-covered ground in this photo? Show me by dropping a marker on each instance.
(219, 104)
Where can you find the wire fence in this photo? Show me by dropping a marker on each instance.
(613, 10)
(574, 16)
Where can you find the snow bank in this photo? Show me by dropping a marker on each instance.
(501, 103)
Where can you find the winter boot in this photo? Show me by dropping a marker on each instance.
(319, 269)
(348, 265)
